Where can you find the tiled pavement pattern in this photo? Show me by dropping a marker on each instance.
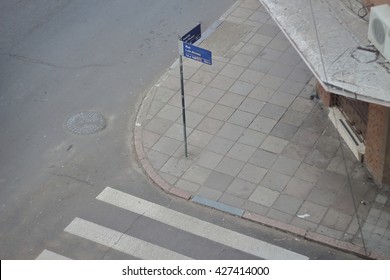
(259, 143)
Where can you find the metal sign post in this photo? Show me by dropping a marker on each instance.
(187, 49)
(183, 103)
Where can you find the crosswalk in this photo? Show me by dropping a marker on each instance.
(141, 249)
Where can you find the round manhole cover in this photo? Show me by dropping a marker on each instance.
(86, 123)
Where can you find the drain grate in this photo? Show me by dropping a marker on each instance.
(85, 123)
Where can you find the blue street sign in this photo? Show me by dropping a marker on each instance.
(196, 53)
(192, 36)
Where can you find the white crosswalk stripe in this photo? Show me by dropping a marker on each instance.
(49, 255)
(196, 226)
(121, 242)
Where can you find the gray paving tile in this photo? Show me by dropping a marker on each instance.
(176, 100)
(261, 65)
(269, 30)
(288, 204)
(298, 188)
(199, 138)
(304, 224)
(166, 145)
(201, 106)
(318, 159)
(293, 117)
(296, 151)
(193, 88)
(221, 112)
(282, 99)
(252, 138)
(272, 111)
(242, 13)
(280, 216)
(170, 179)
(263, 158)
(155, 107)
(271, 81)
(222, 82)
(232, 200)
(300, 75)
(271, 55)
(192, 151)
(176, 131)
(209, 193)
(274, 144)
(263, 124)
(337, 164)
(303, 105)
(192, 119)
(252, 173)
(289, 59)
(264, 196)
(336, 220)
(149, 138)
(231, 131)
(260, 16)
(202, 77)
(286, 165)
(219, 181)
(252, 76)
(280, 70)
(332, 180)
(284, 131)
(171, 82)
(251, 105)
(196, 174)
(311, 212)
(157, 159)
(231, 100)
(212, 94)
(208, 159)
(230, 166)
(242, 88)
(210, 125)
(308, 173)
(279, 44)
(187, 186)
(163, 94)
(241, 188)
(275, 180)
(242, 118)
(291, 87)
(322, 196)
(328, 144)
(305, 137)
(220, 145)
(175, 167)
(262, 93)
(232, 71)
(250, 49)
(241, 152)
(260, 40)
(243, 60)
(158, 125)
(216, 67)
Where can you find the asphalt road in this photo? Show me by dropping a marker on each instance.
(61, 57)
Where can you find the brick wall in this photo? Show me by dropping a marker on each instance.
(326, 97)
(377, 146)
(370, 3)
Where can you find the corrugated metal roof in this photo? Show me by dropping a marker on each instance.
(333, 42)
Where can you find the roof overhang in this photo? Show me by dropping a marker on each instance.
(333, 42)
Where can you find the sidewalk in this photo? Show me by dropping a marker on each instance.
(260, 146)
